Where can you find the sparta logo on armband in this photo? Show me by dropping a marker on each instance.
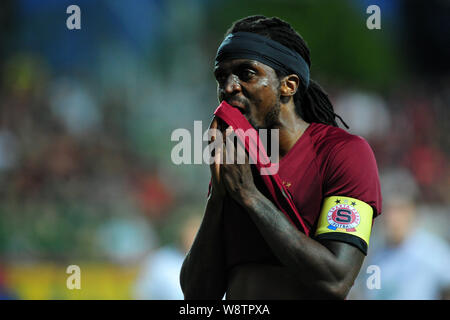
(345, 219)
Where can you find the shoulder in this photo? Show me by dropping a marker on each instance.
(332, 144)
(348, 165)
(328, 138)
(331, 141)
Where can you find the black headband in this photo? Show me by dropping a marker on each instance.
(247, 45)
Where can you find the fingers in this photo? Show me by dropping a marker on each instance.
(230, 147)
(218, 155)
(216, 124)
(213, 127)
(228, 131)
(227, 152)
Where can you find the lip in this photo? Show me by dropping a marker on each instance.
(237, 105)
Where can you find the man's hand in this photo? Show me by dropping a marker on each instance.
(237, 178)
(203, 274)
(218, 189)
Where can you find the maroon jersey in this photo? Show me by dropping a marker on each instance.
(325, 161)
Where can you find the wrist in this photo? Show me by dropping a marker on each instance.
(249, 197)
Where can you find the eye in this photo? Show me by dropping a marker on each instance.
(247, 74)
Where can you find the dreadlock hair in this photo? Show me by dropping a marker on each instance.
(311, 104)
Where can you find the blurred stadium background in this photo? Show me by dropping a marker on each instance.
(86, 117)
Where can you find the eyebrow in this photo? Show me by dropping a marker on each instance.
(244, 64)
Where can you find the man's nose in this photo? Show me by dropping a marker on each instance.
(232, 84)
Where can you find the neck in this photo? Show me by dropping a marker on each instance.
(291, 127)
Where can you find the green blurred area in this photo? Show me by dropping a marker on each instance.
(342, 48)
(86, 116)
(53, 208)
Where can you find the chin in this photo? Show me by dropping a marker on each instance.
(253, 123)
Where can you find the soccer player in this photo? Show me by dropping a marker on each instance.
(246, 247)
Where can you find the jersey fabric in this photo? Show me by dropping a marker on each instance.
(325, 161)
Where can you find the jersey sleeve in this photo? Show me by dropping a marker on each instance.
(352, 172)
(352, 194)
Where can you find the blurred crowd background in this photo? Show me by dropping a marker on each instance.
(86, 117)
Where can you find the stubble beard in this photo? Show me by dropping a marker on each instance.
(272, 117)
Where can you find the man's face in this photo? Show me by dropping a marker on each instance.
(251, 86)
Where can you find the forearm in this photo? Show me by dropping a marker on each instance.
(317, 266)
(203, 272)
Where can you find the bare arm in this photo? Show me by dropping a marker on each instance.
(328, 268)
(203, 272)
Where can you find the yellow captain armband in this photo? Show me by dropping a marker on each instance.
(345, 219)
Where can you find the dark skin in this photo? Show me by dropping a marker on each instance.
(310, 269)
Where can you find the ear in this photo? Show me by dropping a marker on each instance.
(289, 85)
